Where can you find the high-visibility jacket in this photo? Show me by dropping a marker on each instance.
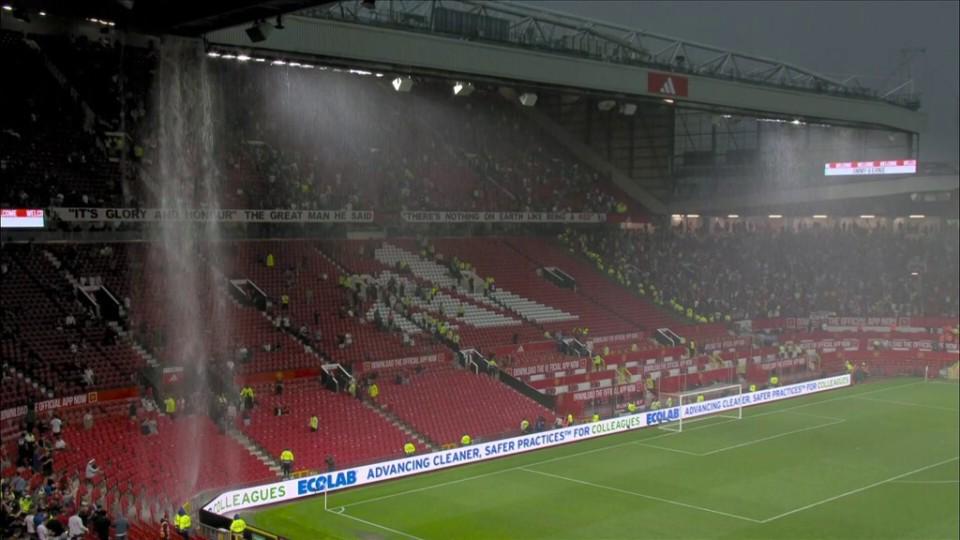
(237, 526)
(271, 261)
(25, 505)
(699, 398)
(184, 522)
(753, 388)
(774, 380)
(569, 419)
(524, 425)
(596, 417)
(465, 440)
(374, 390)
(409, 449)
(171, 405)
(286, 456)
(314, 422)
(631, 407)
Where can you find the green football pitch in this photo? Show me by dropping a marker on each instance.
(879, 460)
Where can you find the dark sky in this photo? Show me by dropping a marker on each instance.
(833, 38)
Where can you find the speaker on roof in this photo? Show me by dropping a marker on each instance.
(259, 32)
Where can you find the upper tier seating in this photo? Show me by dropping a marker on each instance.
(513, 272)
(49, 152)
(136, 272)
(593, 284)
(315, 301)
(849, 270)
(54, 338)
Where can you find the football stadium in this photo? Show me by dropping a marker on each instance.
(463, 269)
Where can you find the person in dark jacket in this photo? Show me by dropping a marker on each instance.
(101, 525)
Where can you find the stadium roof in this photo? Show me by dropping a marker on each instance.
(544, 29)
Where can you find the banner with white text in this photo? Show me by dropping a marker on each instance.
(220, 215)
(454, 216)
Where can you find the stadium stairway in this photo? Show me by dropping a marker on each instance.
(403, 426)
(145, 354)
(255, 450)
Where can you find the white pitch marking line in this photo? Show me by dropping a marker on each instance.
(925, 482)
(377, 525)
(858, 490)
(642, 495)
(668, 449)
(908, 404)
(603, 448)
(814, 415)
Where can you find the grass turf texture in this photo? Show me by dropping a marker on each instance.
(878, 460)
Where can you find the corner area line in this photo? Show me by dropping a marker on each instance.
(641, 495)
(372, 524)
(858, 490)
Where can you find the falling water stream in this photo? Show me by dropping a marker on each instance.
(186, 170)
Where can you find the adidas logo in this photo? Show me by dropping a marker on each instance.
(668, 87)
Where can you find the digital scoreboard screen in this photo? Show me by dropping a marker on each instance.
(21, 218)
(869, 168)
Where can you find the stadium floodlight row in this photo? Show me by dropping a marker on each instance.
(230, 502)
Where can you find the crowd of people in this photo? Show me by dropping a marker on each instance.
(745, 273)
(40, 501)
(287, 147)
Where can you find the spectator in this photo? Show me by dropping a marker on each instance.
(76, 527)
(120, 527)
(88, 376)
(101, 525)
(92, 470)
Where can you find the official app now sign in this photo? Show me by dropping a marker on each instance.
(241, 499)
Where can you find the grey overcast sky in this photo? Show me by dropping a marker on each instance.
(832, 38)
